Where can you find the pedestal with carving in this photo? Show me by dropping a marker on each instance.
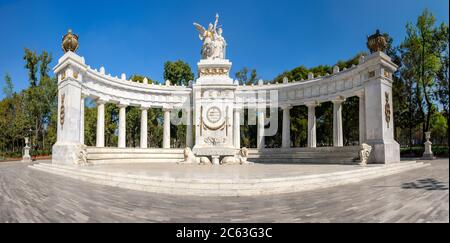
(214, 94)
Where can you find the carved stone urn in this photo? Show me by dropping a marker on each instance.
(376, 42)
(70, 42)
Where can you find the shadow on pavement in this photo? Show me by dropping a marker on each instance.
(429, 184)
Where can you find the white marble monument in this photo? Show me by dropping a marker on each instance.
(214, 105)
(213, 97)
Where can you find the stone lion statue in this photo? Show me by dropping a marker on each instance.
(364, 153)
(190, 158)
(241, 158)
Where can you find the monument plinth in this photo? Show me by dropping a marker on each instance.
(214, 72)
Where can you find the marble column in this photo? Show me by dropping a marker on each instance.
(189, 141)
(166, 131)
(312, 124)
(338, 137)
(260, 142)
(362, 118)
(100, 123)
(286, 132)
(122, 126)
(237, 129)
(144, 122)
(82, 119)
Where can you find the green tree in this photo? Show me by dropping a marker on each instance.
(422, 59)
(44, 59)
(439, 127)
(8, 89)
(140, 79)
(443, 73)
(178, 72)
(31, 63)
(245, 76)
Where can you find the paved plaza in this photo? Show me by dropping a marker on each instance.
(419, 195)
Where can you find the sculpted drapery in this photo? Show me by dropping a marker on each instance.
(214, 45)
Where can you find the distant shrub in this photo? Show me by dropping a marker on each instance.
(439, 151)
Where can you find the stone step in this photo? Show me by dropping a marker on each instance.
(95, 156)
(98, 156)
(133, 160)
(226, 187)
(304, 149)
(304, 160)
(305, 155)
(94, 150)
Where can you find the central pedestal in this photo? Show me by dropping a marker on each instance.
(214, 94)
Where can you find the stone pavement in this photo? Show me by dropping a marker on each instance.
(419, 195)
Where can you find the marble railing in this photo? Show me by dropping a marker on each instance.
(341, 84)
(99, 85)
(346, 83)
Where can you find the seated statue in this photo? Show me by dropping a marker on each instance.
(189, 157)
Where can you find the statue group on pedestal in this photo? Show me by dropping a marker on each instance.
(214, 45)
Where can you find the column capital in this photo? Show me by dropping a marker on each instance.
(312, 103)
(142, 108)
(101, 101)
(167, 109)
(286, 107)
(122, 105)
(338, 100)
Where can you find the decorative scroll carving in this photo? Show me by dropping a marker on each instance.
(214, 141)
(62, 112)
(214, 128)
(387, 109)
(213, 71)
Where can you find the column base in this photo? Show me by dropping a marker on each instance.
(69, 154)
(26, 159)
(385, 152)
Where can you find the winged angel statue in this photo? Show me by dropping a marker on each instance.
(214, 44)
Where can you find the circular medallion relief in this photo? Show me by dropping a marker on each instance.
(213, 114)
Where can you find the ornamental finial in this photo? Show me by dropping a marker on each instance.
(70, 42)
(376, 42)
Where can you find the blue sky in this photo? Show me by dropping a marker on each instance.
(137, 37)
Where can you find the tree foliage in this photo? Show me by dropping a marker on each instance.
(178, 72)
